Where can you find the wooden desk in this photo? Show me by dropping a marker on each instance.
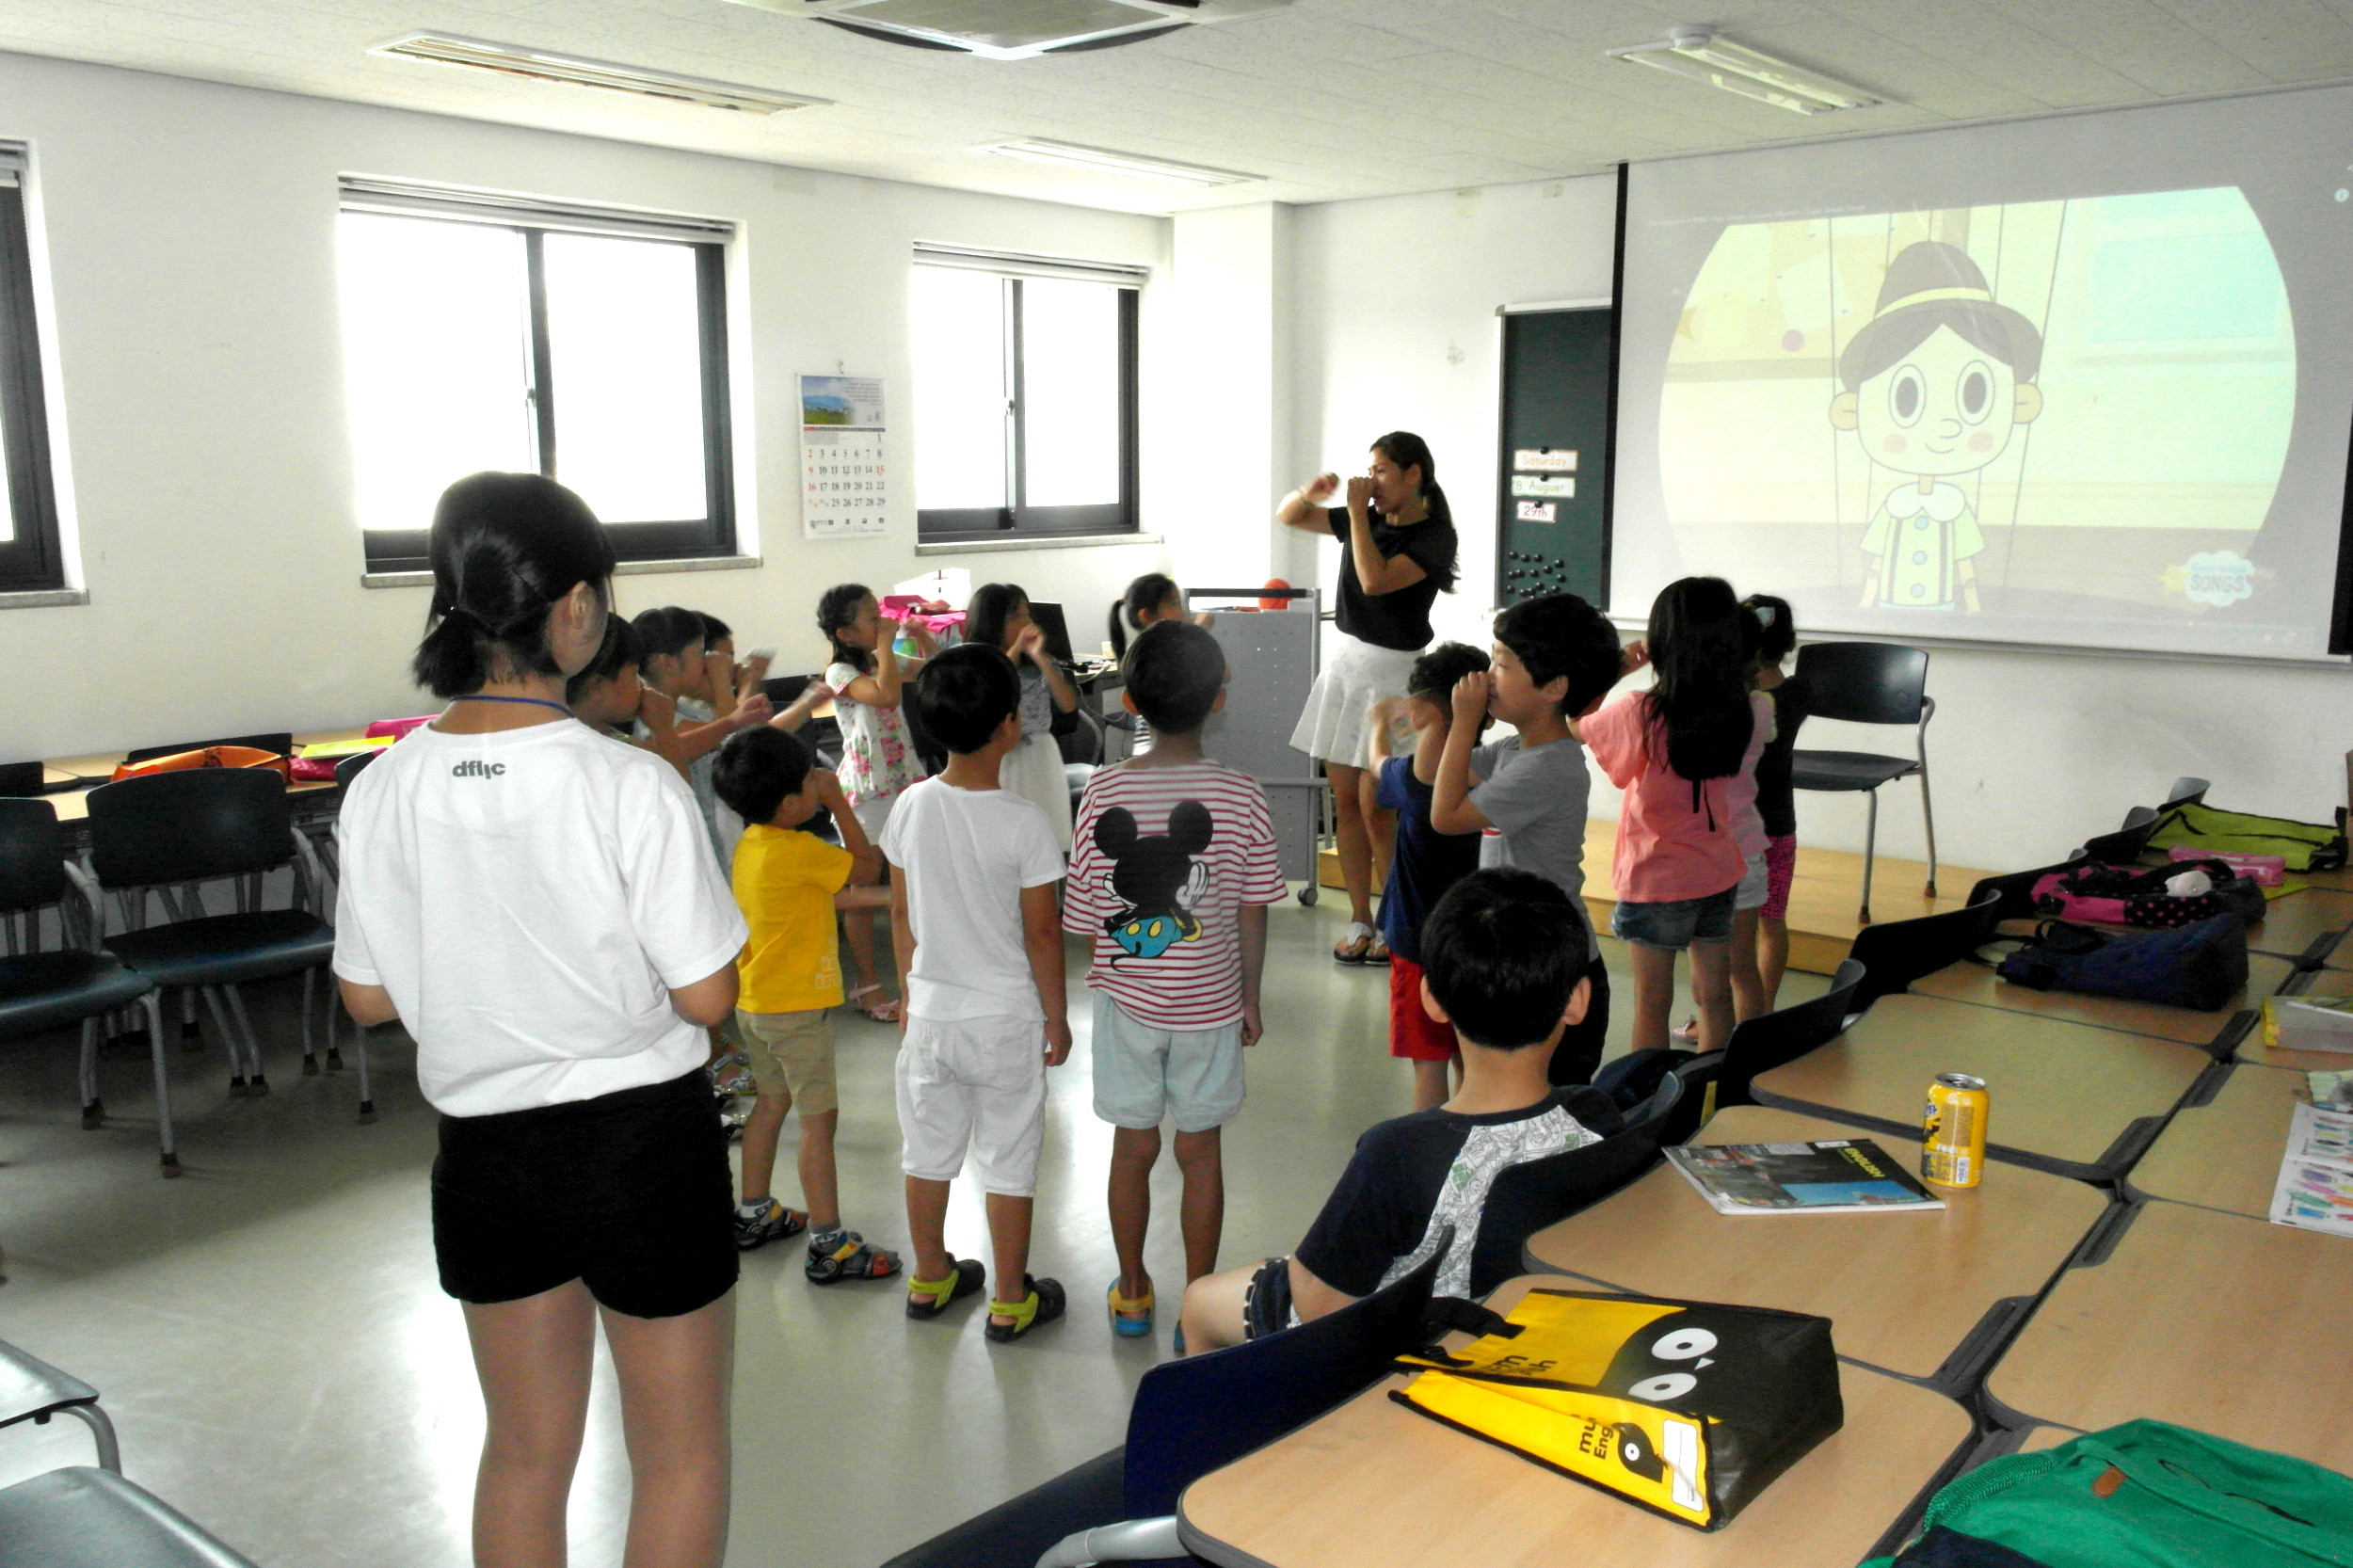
(2218, 1321)
(2317, 982)
(1902, 1289)
(1976, 985)
(2225, 1155)
(2062, 1092)
(2291, 924)
(1373, 1482)
(72, 806)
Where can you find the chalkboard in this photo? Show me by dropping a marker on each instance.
(1552, 487)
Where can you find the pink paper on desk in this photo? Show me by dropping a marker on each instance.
(398, 727)
(931, 613)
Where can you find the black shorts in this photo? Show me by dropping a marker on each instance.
(628, 1192)
(1266, 1305)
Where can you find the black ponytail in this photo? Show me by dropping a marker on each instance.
(836, 609)
(1407, 450)
(1700, 696)
(505, 547)
(1149, 592)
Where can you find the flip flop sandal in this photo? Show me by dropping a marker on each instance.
(885, 1011)
(1376, 954)
(1131, 1316)
(1043, 1304)
(966, 1279)
(852, 1259)
(1355, 948)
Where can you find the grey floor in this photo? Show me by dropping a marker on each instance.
(269, 1337)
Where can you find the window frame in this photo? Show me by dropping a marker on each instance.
(708, 538)
(1018, 518)
(34, 560)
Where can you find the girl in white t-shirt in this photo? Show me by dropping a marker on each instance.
(878, 759)
(539, 904)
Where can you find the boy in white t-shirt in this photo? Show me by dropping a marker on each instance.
(978, 935)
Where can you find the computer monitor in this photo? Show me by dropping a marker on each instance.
(1048, 618)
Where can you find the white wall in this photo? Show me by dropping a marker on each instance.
(1393, 308)
(190, 230)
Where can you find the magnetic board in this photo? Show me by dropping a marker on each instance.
(1552, 485)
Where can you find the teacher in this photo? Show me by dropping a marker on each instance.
(1396, 535)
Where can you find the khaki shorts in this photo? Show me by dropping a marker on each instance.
(792, 1053)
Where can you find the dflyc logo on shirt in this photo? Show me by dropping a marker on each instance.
(477, 769)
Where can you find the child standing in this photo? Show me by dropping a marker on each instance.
(878, 761)
(974, 871)
(789, 883)
(999, 618)
(1554, 656)
(1154, 597)
(609, 698)
(1675, 750)
(1425, 862)
(1776, 801)
(1175, 869)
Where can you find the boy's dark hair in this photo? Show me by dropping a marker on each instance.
(715, 629)
(1776, 626)
(757, 768)
(1558, 634)
(1502, 953)
(1438, 671)
(505, 547)
(1174, 670)
(618, 652)
(667, 631)
(963, 695)
(836, 607)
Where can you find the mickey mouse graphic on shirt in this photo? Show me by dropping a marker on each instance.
(1933, 386)
(1156, 879)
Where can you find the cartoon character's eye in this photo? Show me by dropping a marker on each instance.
(1684, 1344)
(1905, 394)
(1977, 391)
(1667, 1385)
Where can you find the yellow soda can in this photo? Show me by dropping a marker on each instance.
(1952, 1132)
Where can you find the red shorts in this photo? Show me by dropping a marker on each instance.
(1413, 1034)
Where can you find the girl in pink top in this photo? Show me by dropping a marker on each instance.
(1675, 750)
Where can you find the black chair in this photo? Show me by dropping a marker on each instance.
(41, 991)
(81, 1517)
(1898, 953)
(1869, 683)
(281, 742)
(1189, 1418)
(351, 767)
(1546, 1192)
(1779, 1039)
(165, 834)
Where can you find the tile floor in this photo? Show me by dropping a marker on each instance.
(270, 1339)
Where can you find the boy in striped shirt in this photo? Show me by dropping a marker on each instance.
(1171, 870)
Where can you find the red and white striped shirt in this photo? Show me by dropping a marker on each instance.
(1163, 860)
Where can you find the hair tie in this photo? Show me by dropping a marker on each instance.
(454, 610)
(1764, 613)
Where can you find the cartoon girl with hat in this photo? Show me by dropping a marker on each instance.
(1933, 386)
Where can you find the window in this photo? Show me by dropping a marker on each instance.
(31, 557)
(584, 343)
(1025, 396)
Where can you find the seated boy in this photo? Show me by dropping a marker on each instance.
(1425, 862)
(975, 924)
(1554, 657)
(1503, 962)
(1173, 872)
(789, 883)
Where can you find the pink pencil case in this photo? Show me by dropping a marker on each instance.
(2264, 871)
(398, 727)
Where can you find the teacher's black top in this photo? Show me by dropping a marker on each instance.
(1401, 619)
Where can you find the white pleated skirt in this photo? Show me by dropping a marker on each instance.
(1333, 726)
(1033, 771)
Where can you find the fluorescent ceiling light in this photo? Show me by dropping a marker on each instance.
(1701, 55)
(510, 59)
(1097, 160)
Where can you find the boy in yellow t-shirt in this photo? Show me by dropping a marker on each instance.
(789, 883)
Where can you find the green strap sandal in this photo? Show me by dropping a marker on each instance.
(1043, 1304)
(929, 1298)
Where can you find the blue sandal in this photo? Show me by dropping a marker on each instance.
(1131, 1316)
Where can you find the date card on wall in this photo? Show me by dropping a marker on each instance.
(844, 488)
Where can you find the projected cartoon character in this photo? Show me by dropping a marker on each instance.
(1158, 878)
(1933, 387)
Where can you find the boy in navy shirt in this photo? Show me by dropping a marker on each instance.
(1425, 862)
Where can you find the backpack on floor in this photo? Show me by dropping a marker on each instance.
(2198, 966)
(2306, 846)
(2128, 895)
(2144, 1493)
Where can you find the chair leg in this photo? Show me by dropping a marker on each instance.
(102, 1429)
(236, 1047)
(309, 1056)
(191, 1037)
(163, 1087)
(367, 1097)
(334, 1012)
(93, 1110)
(1870, 851)
(253, 1040)
(1928, 816)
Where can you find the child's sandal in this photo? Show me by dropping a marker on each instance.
(1131, 1316)
(966, 1279)
(885, 1011)
(852, 1259)
(1043, 1304)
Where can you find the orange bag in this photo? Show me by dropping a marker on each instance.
(210, 757)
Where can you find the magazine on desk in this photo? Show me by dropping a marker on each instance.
(2315, 1187)
(1838, 1176)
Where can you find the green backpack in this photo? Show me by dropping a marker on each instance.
(2305, 846)
(2144, 1494)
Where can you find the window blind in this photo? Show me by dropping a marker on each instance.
(364, 194)
(1009, 263)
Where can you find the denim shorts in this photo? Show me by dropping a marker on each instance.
(1675, 925)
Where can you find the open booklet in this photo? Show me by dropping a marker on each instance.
(1839, 1176)
(2315, 1187)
